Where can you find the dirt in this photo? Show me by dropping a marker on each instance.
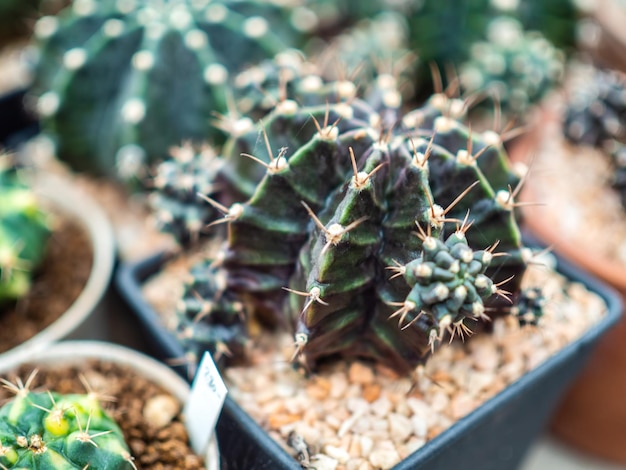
(153, 448)
(60, 280)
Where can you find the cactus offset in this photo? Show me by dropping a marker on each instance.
(520, 68)
(178, 181)
(51, 431)
(23, 234)
(209, 318)
(119, 83)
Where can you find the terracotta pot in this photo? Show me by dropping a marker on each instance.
(79, 352)
(604, 35)
(86, 317)
(592, 415)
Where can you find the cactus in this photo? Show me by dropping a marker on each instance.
(334, 199)
(23, 234)
(557, 19)
(209, 317)
(520, 68)
(618, 157)
(119, 82)
(596, 112)
(177, 183)
(529, 307)
(52, 431)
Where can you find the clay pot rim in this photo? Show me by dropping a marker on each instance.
(76, 352)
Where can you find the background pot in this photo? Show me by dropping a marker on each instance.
(504, 426)
(79, 352)
(87, 316)
(592, 414)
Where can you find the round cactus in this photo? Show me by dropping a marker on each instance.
(518, 67)
(529, 307)
(51, 431)
(119, 82)
(23, 234)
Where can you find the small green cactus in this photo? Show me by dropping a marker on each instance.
(23, 234)
(119, 82)
(529, 306)
(518, 67)
(48, 431)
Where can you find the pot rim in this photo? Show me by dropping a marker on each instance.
(76, 351)
(82, 208)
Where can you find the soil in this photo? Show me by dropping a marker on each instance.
(60, 280)
(154, 448)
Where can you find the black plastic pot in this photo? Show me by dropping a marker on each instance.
(495, 436)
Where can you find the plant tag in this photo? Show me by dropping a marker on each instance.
(205, 403)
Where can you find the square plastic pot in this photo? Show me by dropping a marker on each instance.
(495, 436)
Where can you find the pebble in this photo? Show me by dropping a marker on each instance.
(360, 374)
(337, 453)
(400, 427)
(323, 462)
(382, 407)
(160, 410)
(384, 458)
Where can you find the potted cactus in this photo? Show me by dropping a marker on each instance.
(361, 232)
(118, 410)
(56, 262)
(585, 136)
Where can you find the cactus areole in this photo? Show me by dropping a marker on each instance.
(48, 431)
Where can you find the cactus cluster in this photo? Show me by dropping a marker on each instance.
(596, 116)
(23, 234)
(324, 195)
(52, 431)
(119, 82)
(517, 67)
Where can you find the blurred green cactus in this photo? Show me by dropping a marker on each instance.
(23, 234)
(518, 68)
(119, 82)
(48, 431)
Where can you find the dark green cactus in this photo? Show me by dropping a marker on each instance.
(178, 181)
(209, 317)
(557, 19)
(335, 199)
(596, 112)
(119, 82)
(48, 431)
(529, 307)
(518, 67)
(23, 234)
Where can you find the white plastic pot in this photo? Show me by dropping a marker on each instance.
(87, 316)
(79, 352)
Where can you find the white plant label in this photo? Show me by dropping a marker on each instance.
(205, 403)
